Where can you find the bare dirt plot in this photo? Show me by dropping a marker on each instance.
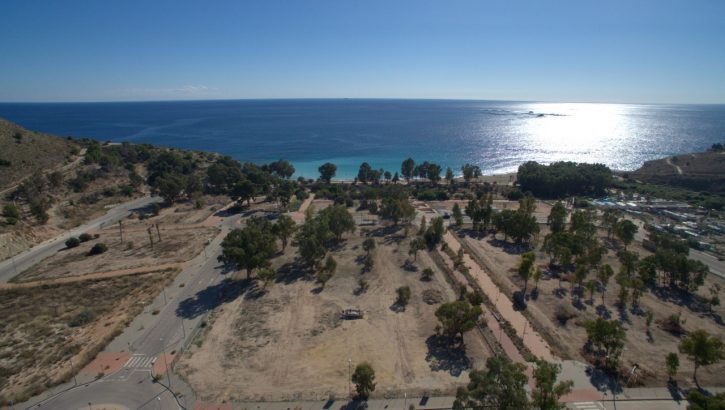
(290, 342)
(45, 327)
(178, 244)
(568, 339)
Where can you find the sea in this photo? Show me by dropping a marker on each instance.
(495, 135)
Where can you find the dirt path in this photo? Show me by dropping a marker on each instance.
(299, 215)
(99, 275)
(506, 343)
(677, 167)
(533, 341)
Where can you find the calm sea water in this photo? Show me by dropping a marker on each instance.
(496, 135)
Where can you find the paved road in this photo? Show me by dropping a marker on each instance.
(180, 308)
(10, 268)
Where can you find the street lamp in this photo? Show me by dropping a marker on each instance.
(349, 378)
(166, 364)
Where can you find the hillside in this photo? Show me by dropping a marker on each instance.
(25, 152)
(703, 171)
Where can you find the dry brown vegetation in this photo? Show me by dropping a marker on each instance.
(45, 327)
(288, 341)
(550, 301)
(31, 152)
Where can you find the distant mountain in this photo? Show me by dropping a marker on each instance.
(24, 152)
(703, 171)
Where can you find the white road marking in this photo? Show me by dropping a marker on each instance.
(139, 361)
(588, 405)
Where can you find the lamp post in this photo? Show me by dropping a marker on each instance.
(166, 364)
(349, 378)
(72, 369)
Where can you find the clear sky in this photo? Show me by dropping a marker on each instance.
(560, 50)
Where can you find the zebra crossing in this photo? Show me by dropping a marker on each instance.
(139, 361)
(587, 405)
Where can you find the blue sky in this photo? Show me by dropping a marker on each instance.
(579, 51)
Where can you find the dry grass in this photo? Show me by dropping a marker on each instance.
(46, 326)
(289, 341)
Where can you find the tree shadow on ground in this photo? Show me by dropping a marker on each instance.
(602, 380)
(577, 303)
(462, 232)
(519, 300)
(213, 296)
(444, 354)
(409, 266)
(510, 248)
(560, 292)
(292, 272)
(397, 307)
(603, 312)
(385, 231)
(682, 298)
(355, 404)
(623, 314)
(675, 391)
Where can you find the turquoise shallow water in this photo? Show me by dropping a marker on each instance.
(496, 135)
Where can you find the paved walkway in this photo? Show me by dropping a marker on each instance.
(299, 215)
(97, 275)
(532, 340)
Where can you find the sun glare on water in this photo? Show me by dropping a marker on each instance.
(588, 132)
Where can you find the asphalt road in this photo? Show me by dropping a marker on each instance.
(181, 307)
(12, 267)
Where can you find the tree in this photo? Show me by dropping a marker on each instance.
(282, 168)
(434, 233)
(449, 175)
(327, 171)
(72, 242)
(604, 273)
(699, 401)
(170, 187)
(338, 220)
(415, 246)
(311, 239)
(457, 215)
(537, 277)
(327, 271)
(284, 228)
(672, 361)
(470, 171)
(403, 293)
(243, 190)
(625, 230)
(397, 209)
(546, 394)
(610, 217)
(406, 169)
(557, 218)
(369, 263)
(266, 275)
(364, 379)
(368, 245)
(526, 268)
(427, 274)
(607, 339)
(396, 178)
(388, 176)
(365, 173)
(11, 214)
(702, 349)
(501, 386)
(251, 247)
(458, 317)
(98, 249)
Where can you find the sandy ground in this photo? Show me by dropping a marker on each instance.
(567, 340)
(290, 342)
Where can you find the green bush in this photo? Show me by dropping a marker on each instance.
(85, 237)
(11, 211)
(72, 242)
(98, 249)
(81, 318)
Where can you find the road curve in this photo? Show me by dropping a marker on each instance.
(12, 267)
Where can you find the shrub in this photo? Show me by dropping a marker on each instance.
(98, 249)
(72, 242)
(85, 237)
(81, 318)
(5, 163)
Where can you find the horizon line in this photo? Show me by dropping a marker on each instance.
(350, 98)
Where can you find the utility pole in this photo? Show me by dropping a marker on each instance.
(158, 232)
(166, 364)
(72, 369)
(120, 230)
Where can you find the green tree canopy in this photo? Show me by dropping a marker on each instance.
(364, 379)
(702, 349)
(546, 394)
(501, 386)
(458, 317)
(327, 171)
(251, 247)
